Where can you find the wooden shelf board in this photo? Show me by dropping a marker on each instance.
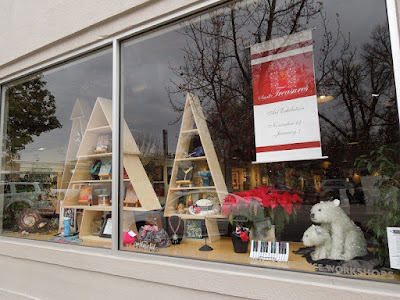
(191, 158)
(97, 241)
(90, 181)
(191, 131)
(193, 188)
(194, 217)
(96, 181)
(106, 128)
(87, 207)
(102, 208)
(94, 155)
(127, 208)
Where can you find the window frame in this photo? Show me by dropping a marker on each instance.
(392, 7)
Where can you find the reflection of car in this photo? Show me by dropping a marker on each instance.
(330, 188)
(62, 192)
(22, 195)
(58, 193)
(311, 194)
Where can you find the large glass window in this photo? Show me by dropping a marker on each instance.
(264, 133)
(56, 148)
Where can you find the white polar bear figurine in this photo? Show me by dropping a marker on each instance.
(347, 239)
(321, 239)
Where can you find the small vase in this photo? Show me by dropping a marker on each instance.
(263, 230)
(238, 245)
(267, 235)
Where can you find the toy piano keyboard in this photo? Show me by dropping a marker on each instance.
(277, 251)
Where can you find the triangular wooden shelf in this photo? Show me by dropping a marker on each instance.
(194, 123)
(79, 117)
(100, 122)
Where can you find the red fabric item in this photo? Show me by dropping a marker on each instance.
(127, 238)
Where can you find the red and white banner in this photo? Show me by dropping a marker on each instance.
(285, 102)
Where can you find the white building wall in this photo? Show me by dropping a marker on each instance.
(36, 32)
(42, 30)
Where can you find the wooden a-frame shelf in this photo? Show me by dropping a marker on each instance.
(100, 122)
(194, 124)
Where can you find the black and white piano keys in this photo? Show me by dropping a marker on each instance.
(276, 251)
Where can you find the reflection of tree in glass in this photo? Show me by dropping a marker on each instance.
(31, 111)
(217, 66)
(362, 85)
(149, 145)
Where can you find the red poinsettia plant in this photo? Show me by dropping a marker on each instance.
(255, 205)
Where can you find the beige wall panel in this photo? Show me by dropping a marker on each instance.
(34, 24)
(41, 30)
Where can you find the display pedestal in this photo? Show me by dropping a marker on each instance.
(206, 247)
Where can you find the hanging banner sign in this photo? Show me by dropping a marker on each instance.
(285, 102)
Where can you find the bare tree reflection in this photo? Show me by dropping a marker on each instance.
(217, 67)
(361, 82)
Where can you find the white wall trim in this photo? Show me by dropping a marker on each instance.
(221, 278)
(6, 294)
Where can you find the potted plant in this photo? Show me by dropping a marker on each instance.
(384, 164)
(241, 234)
(261, 210)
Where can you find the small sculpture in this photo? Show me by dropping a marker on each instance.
(205, 176)
(181, 208)
(347, 239)
(185, 180)
(189, 200)
(197, 152)
(321, 239)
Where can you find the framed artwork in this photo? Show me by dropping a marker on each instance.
(105, 168)
(194, 229)
(158, 173)
(85, 194)
(106, 230)
(235, 180)
(159, 189)
(103, 143)
(131, 197)
(96, 226)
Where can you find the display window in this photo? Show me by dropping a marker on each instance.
(265, 133)
(55, 152)
(262, 133)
